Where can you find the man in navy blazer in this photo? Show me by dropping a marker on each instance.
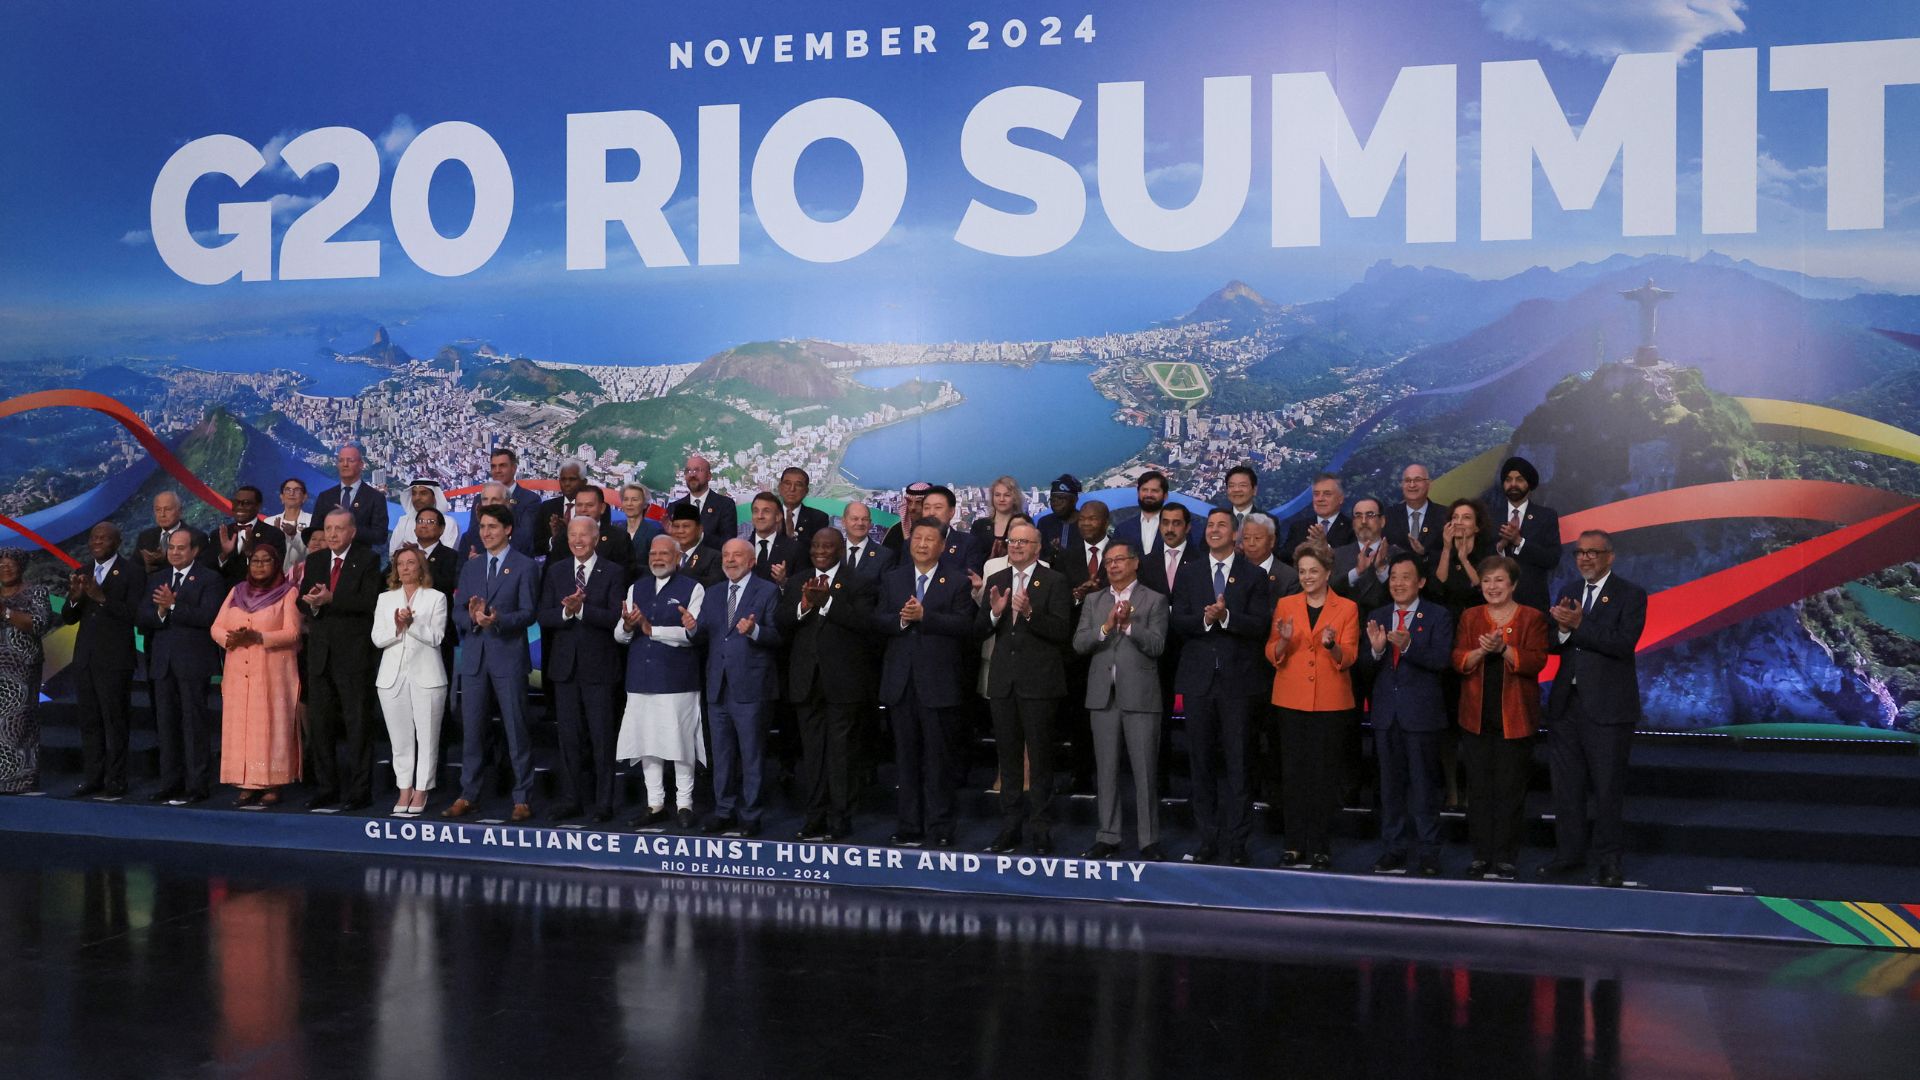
(1221, 608)
(1593, 708)
(580, 598)
(1143, 532)
(926, 613)
(503, 468)
(719, 517)
(101, 599)
(737, 626)
(183, 600)
(493, 607)
(367, 504)
(1415, 524)
(798, 520)
(1409, 646)
(1528, 533)
(867, 557)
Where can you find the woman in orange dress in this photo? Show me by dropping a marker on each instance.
(1314, 640)
(259, 627)
(1499, 650)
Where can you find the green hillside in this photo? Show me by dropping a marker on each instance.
(525, 380)
(659, 430)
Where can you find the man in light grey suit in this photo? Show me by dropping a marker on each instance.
(1122, 630)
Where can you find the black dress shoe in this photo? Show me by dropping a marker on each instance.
(944, 840)
(1205, 853)
(321, 799)
(88, 789)
(685, 817)
(1005, 842)
(742, 830)
(116, 790)
(904, 838)
(166, 795)
(716, 823)
(1560, 868)
(1043, 843)
(1503, 871)
(1478, 868)
(1390, 863)
(355, 804)
(1100, 850)
(813, 830)
(1152, 853)
(1607, 876)
(1427, 866)
(601, 817)
(1292, 860)
(564, 812)
(837, 832)
(649, 817)
(1237, 855)
(1321, 861)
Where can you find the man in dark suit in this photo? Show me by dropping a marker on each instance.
(956, 548)
(1257, 535)
(895, 539)
(1143, 531)
(235, 540)
(101, 600)
(550, 521)
(343, 586)
(1241, 489)
(493, 606)
(580, 598)
(826, 617)
(774, 552)
(1326, 522)
(1029, 617)
(443, 566)
(697, 560)
(366, 503)
(1415, 524)
(503, 468)
(719, 518)
(151, 544)
(1221, 610)
(1083, 560)
(611, 542)
(1059, 526)
(1593, 708)
(926, 612)
(1360, 567)
(182, 601)
(798, 520)
(865, 557)
(1409, 647)
(1529, 533)
(1172, 550)
(741, 634)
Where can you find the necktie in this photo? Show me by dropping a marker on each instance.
(1326, 524)
(793, 523)
(1093, 558)
(1413, 522)
(686, 557)
(920, 593)
(346, 496)
(1020, 583)
(99, 573)
(1586, 605)
(333, 579)
(763, 551)
(733, 600)
(580, 577)
(178, 577)
(1399, 623)
(1173, 566)
(493, 567)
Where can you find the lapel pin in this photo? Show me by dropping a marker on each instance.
(943, 581)
(1231, 580)
(1605, 599)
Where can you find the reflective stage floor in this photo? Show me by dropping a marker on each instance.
(123, 960)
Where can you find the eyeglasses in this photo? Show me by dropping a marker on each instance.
(1020, 540)
(1366, 513)
(1591, 552)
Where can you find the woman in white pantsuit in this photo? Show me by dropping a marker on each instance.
(408, 624)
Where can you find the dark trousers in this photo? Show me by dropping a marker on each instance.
(1588, 760)
(337, 706)
(105, 699)
(1023, 740)
(1410, 784)
(480, 696)
(1312, 745)
(185, 726)
(1497, 771)
(1219, 744)
(923, 765)
(584, 720)
(826, 754)
(739, 757)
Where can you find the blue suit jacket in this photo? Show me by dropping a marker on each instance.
(1225, 660)
(1600, 653)
(746, 666)
(928, 655)
(370, 515)
(181, 644)
(1408, 695)
(501, 649)
(582, 650)
(526, 513)
(1129, 530)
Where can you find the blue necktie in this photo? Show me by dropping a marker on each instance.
(493, 567)
(921, 592)
(1219, 580)
(733, 600)
(1586, 606)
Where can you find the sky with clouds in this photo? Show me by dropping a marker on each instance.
(98, 96)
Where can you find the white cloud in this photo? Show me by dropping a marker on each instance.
(393, 141)
(1781, 180)
(1607, 28)
(137, 237)
(271, 151)
(289, 206)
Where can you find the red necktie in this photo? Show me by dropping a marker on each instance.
(1399, 623)
(333, 579)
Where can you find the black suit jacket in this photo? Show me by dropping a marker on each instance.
(810, 521)
(782, 550)
(340, 633)
(1539, 554)
(149, 540)
(1599, 653)
(234, 567)
(1226, 660)
(104, 642)
(1433, 519)
(543, 544)
(582, 650)
(1028, 658)
(181, 644)
(718, 516)
(1153, 568)
(927, 655)
(443, 565)
(872, 561)
(1340, 533)
(835, 650)
(369, 509)
(702, 566)
(1072, 561)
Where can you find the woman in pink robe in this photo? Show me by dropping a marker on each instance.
(259, 627)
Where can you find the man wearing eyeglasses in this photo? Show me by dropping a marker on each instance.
(1360, 568)
(1592, 710)
(1029, 616)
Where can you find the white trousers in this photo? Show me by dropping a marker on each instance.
(655, 771)
(413, 715)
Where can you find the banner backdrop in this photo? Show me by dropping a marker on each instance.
(1662, 248)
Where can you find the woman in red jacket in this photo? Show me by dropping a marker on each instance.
(1499, 650)
(1314, 640)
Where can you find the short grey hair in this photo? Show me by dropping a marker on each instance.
(1263, 521)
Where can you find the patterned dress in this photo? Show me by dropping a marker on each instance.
(20, 660)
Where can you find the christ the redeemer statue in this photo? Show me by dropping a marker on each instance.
(1649, 297)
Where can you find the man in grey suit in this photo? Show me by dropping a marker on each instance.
(1122, 631)
(493, 607)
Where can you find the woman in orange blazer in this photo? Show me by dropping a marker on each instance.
(1314, 640)
(1499, 650)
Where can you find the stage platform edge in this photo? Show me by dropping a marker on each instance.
(1516, 904)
